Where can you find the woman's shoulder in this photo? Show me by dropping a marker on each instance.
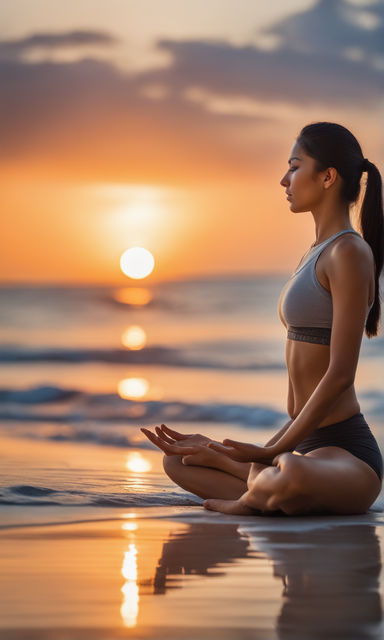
(352, 252)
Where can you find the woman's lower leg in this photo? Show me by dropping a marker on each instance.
(204, 482)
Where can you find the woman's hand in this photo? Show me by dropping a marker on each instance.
(174, 443)
(242, 452)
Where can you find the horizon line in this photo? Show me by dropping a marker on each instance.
(143, 282)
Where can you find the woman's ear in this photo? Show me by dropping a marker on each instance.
(330, 177)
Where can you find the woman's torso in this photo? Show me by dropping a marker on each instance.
(308, 362)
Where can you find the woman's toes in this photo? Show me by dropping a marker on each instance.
(217, 505)
(228, 506)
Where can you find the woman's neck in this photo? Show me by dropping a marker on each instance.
(327, 224)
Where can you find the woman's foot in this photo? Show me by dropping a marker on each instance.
(236, 507)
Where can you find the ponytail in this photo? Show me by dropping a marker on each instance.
(372, 227)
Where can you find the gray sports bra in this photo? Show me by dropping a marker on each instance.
(304, 304)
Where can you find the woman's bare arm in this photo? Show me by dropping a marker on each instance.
(279, 434)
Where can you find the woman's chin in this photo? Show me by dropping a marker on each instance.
(295, 209)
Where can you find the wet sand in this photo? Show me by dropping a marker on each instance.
(183, 572)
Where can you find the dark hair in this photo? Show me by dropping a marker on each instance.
(332, 145)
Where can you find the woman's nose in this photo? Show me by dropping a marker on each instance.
(284, 180)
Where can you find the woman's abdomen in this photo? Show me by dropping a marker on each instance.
(307, 363)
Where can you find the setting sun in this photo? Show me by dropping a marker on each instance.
(137, 262)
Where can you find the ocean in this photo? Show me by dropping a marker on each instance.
(83, 368)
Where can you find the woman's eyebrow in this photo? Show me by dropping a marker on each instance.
(293, 158)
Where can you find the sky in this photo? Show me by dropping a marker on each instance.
(167, 124)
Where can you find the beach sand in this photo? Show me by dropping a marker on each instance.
(79, 572)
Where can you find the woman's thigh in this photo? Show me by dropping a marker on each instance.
(339, 481)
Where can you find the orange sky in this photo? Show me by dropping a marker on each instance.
(119, 130)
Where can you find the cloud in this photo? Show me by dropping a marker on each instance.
(13, 49)
(281, 75)
(87, 117)
(332, 27)
(331, 54)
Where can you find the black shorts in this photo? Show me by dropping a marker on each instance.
(353, 435)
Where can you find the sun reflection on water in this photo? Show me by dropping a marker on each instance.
(130, 607)
(136, 296)
(138, 390)
(133, 388)
(137, 463)
(134, 337)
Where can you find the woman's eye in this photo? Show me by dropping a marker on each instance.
(293, 169)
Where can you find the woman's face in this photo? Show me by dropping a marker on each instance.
(303, 185)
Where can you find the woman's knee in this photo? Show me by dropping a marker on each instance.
(172, 465)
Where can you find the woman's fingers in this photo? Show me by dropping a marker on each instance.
(153, 438)
(174, 434)
(243, 452)
(233, 453)
(175, 450)
(244, 448)
(163, 436)
(169, 449)
(235, 443)
(251, 452)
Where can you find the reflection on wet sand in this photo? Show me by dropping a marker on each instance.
(331, 583)
(130, 607)
(195, 551)
(330, 576)
(179, 578)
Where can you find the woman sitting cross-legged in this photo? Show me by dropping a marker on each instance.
(325, 459)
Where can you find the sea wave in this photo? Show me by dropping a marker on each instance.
(31, 495)
(73, 406)
(55, 404)
(155, 355)
(108, 438)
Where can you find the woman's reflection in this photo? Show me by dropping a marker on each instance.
(200, 548)
(330, 580)
(330, 576)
